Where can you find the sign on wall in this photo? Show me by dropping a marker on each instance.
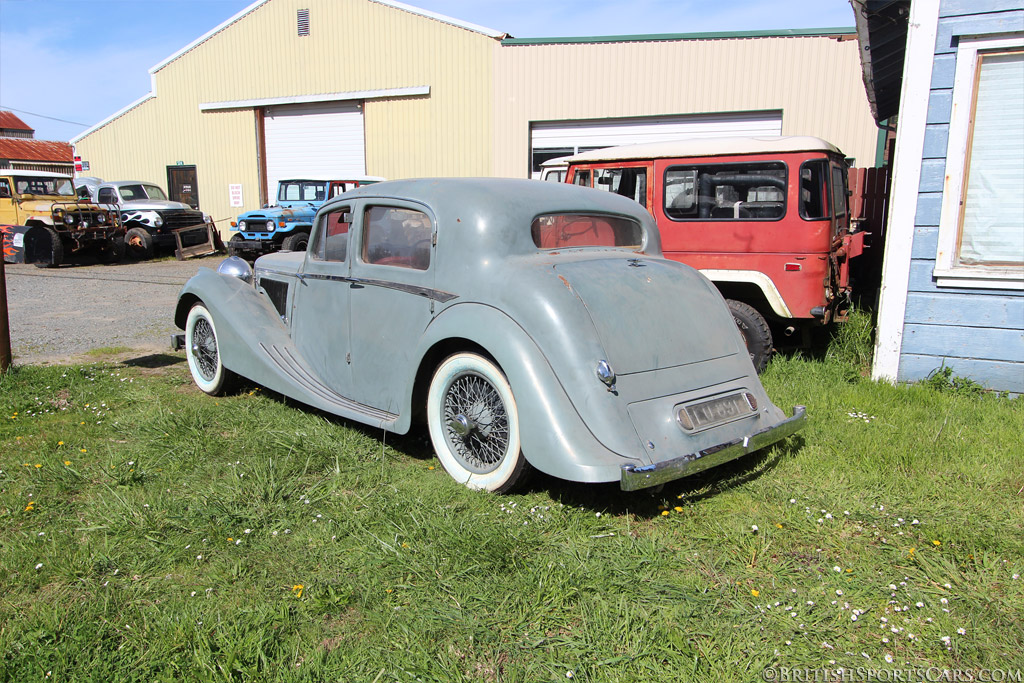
(235, 192)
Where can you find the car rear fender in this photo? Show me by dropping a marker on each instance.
(555, 439)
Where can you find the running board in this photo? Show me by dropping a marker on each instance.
(290, 366)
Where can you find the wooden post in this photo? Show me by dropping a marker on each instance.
(5, 323)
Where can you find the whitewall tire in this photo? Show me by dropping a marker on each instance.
(474, 424)
(202, 349)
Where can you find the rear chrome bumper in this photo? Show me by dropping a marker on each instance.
(640, 477)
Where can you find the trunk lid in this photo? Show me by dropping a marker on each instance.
(651, 313)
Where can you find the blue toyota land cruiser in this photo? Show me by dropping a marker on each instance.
(285, 225)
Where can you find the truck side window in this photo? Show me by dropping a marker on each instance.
(726, 192)
(839, 195)
(107, 196)
(814, 198)
(629, 182)
(5, 189)
(582, 178)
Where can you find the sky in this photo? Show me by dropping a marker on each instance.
(66, 65)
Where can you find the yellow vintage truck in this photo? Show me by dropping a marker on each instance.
(43, 221)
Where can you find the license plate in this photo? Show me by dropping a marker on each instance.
(717, 410)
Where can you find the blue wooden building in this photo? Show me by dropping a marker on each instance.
(951, 74)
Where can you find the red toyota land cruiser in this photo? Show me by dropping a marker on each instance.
(764, 218)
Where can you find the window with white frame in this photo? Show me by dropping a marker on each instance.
(981, 228)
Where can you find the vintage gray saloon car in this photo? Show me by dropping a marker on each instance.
(532, 325)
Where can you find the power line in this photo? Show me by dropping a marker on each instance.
(42, 116)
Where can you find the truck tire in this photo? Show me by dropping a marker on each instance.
(234, 249)
(297, 242)
(756, 333)
(139, 244)
(113, 252)
(55, 251)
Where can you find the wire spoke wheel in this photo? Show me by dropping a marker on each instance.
(476, 423)
(202, 351)
(204, 346)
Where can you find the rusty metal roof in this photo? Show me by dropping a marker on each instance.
(26, 149)
(882, 34)
(9, 120)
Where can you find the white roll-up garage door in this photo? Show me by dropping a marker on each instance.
(549, 140)
(319, 140)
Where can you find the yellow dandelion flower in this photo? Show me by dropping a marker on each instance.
(778, 526)
(389, 590)
(911, 553)
(38, 465)
(936, 543)
(83, 450)
(297, 589)
(849, 571)
(230, 539)
(67, 463)
(60, 443)
(431, 467)
(405, 545)
(82, 422)
(31, 505)
(678, 508)
(755, 592)
(26, 464)
(664, 513)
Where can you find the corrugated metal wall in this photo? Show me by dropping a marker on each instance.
(483, 96)
(815, 81)
(354, 45)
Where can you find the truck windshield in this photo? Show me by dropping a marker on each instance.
(569, 230)
(60, 187)
(302, 191)
(132, 193)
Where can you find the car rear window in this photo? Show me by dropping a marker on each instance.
(569, 230)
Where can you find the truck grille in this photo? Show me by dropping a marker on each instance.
(181, 219)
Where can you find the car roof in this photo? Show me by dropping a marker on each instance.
(346, 179)
(699, 147)
(123, 183)
(495, 214)
(35, 174)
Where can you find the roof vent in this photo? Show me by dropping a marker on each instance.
(303, 16)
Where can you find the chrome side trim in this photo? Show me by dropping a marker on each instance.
(638, 477)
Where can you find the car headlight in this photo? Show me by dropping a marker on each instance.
(69, 219)
(270, 225)
(157, 221)
(101, 219)
(85, 224)
(236, 267)
(241, 225)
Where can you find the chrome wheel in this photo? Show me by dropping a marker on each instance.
(476, 423)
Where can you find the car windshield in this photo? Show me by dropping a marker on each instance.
(61, 187)
(567, 230)
(133, 193)
(302, 191)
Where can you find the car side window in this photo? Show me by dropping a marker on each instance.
(5, 189)
(629, 182)
(107, 196)
(332, 238)
(394, 236)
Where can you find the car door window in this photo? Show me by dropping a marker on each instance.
(394, 236)
(332, 236)
(107, 196)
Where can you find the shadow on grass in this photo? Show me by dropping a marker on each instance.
(154, 360)
(687, 491)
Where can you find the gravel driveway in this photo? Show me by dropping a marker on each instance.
(58, 314)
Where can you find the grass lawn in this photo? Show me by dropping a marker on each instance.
(152, 533)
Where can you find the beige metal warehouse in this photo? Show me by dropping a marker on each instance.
(382, 88)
